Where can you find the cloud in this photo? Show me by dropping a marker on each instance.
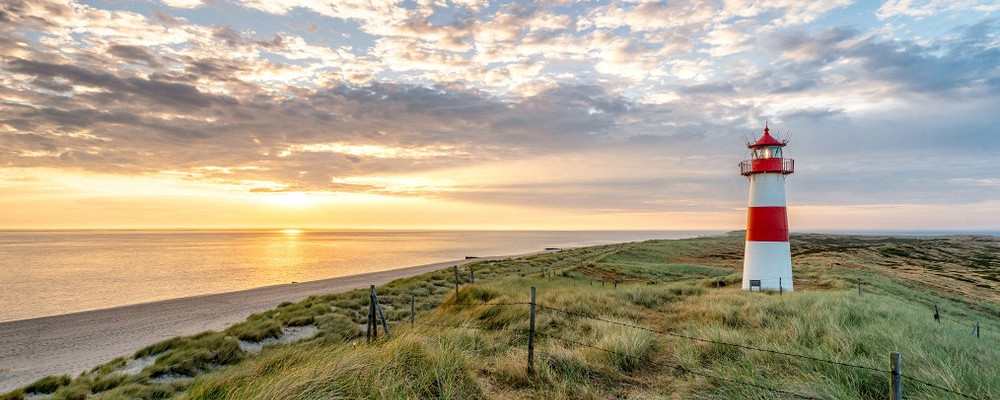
(727, 40)
(303, 143)
(610, 105)
(812, 114)
(183, 3)
(160, 92)
(926, 8)
(134, 53)
(951, 66)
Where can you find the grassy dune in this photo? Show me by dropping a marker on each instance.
(668, 288)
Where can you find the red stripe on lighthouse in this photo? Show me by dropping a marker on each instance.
(767, 224)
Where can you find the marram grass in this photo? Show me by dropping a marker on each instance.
(666, 288)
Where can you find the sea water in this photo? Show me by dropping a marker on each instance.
(46, 273)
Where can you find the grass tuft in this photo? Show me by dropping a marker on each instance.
(161, 347)
(107, 382)
(255, 329)
(17, 394)
(205, 354)
(48, 384)
(630, 349)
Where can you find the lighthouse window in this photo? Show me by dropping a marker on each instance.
(768, 152)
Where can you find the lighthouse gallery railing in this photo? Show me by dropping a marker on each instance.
(780, 165)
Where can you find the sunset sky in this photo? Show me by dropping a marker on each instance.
(495, 115)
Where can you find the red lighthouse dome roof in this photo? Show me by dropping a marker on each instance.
(766, 140)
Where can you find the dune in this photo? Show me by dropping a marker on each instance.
(72, 343)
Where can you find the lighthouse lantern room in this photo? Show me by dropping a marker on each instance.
(767, 259)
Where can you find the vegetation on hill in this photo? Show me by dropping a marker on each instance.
(656, 319)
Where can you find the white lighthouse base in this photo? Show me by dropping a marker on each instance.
(767, 262)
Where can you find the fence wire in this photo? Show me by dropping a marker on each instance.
(941, 388)
(661, 332)
(580, 315)
(682, 367)
(677, 335)
(478, 328)
(486, 304)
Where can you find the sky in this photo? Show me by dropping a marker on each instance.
(465, 114)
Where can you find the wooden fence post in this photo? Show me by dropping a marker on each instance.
(937, 314)
(859, 286)
(531, 335)
(413, 303)
(897, 376)
(977, 328)
(456, 283)
(472, 277)
(781, 289)
(368, 324)
(616, 283)
(381, 315)
(718, 284)
(371, 310)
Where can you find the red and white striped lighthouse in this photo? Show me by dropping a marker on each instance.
(767, 259)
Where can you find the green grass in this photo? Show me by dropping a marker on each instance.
(257, 328)
(208, 351)
(144, 390)
(17, 394)
(48, 384)
(668, 289)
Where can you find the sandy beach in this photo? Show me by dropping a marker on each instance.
(73, 343)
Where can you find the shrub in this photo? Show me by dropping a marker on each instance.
(107, 382)
(15, 395)
(630, 349)
(201, 356)
(77, 391)
(132, 391)
(161, 347)
(109, 366)
(301, 321)
(337, 328)
(48, 384)
(473, 294)
(255, 330)
(646, 297)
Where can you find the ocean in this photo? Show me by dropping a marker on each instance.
(46, 273)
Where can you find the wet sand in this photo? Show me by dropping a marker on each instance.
(74, 343)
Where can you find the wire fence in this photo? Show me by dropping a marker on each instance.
(780, 285)
(680, 366)
(974, 328)
(677, 335)
(745, 347)
(575, 314)
(635, 359)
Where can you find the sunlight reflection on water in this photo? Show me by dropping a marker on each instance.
(47, 273)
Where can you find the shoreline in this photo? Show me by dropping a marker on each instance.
(73, 343)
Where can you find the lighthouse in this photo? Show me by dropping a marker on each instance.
(767, 257)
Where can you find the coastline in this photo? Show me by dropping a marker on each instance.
(48, 273)
(72, 343)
